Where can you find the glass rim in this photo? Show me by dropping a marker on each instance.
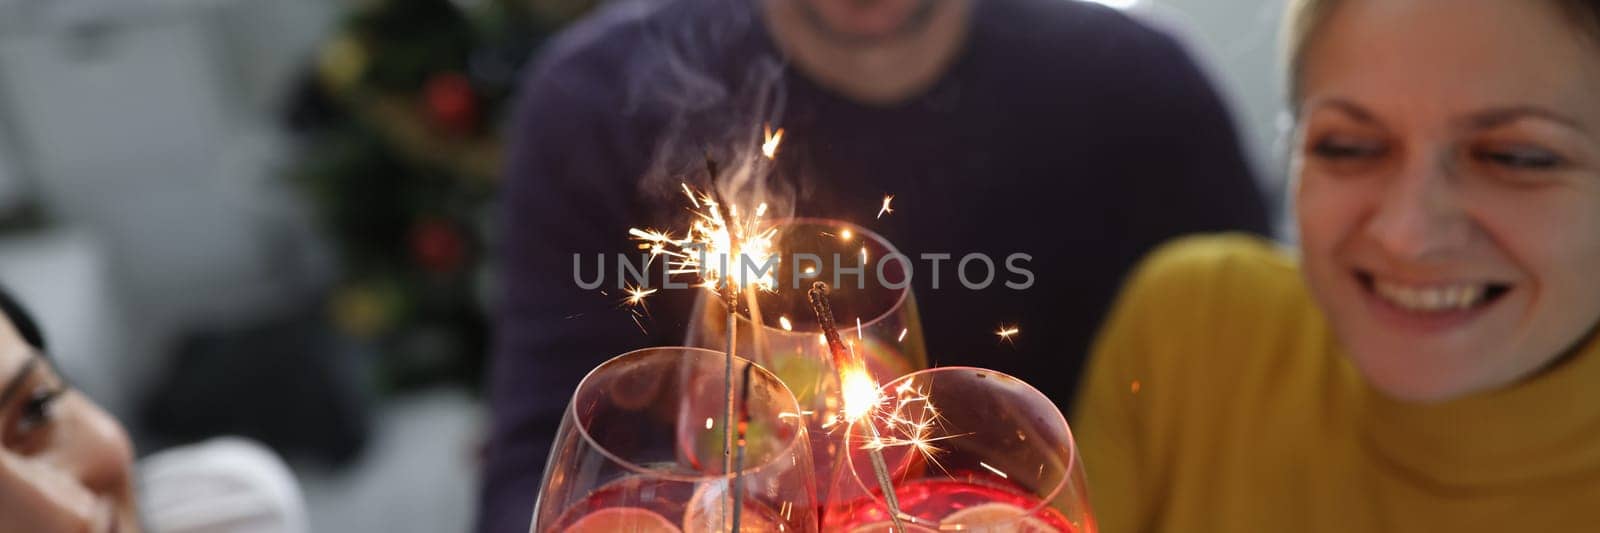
(899, 302)
(583, 429)
(1073, 462)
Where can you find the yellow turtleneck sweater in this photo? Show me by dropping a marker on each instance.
(1217, 400)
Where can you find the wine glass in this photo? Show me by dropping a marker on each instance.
(641, 449)
(874, 309)
(966, 449)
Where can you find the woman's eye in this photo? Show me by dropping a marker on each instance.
(1520, 158)
(38, 410)
(1338, 147)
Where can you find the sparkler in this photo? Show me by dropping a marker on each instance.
(719, 241)
(738, 462)
(859, 392)
(721, 238)
(731, 299)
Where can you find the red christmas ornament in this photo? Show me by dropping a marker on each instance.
(450, 103)
(438, 247)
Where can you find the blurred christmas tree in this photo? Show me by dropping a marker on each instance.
(399, 120)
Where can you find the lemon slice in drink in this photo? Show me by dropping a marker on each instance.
(996, 517)
(704, 513)
(623, 519)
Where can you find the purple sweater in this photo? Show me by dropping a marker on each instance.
(1064, 130)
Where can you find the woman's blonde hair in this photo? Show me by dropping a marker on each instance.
(1304, 17)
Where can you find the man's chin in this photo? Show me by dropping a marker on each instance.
(842, 25)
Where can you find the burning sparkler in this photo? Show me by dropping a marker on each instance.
(719, 241)
(859, 392)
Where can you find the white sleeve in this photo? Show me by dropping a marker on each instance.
(226, 485)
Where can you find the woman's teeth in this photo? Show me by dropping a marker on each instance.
(1431, 299)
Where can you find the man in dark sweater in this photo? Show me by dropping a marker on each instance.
(1055, 128)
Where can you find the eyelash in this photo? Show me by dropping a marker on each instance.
(1521, 159)
(36, 412)
(1329, 149)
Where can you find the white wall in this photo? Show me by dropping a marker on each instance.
(11, 185)
(149, 125)
(1237, 42)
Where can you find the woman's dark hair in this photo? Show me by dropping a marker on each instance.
(21, 320)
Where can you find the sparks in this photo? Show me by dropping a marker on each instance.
(911, 419)
(993, 469)
(846, 235)
(716, 245)
(784, 321)
(769, 144)
(1007, 332)
(902, 337)
(690, 193)
(886, 210)
(636, 295)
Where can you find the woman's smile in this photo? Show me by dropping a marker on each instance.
(1429, 306)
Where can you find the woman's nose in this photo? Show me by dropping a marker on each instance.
(90, 446)
(1419, 215)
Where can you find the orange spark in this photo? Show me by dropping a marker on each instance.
(886, 210)
(636, 295)
(769, 146)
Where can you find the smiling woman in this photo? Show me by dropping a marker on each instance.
(1427, 362)
(1452, 229)
(65, 465)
